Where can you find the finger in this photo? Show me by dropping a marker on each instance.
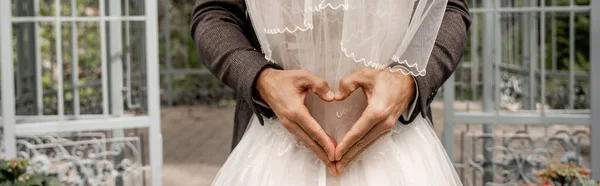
(309, 143)
(333, 140)
(320, 87)
(348, 85)
(340, 165)
(375, 133)
(315, 131)
(364, 124)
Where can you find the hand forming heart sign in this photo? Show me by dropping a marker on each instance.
(388, 95)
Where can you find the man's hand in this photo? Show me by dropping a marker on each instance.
(284, 91)
(388, 95)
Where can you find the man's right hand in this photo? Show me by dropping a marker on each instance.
(284, 91)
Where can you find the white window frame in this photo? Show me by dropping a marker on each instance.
(101, 122)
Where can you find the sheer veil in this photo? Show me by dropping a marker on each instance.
(334, 38)
(347, 34)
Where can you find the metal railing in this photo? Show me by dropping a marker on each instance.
(508, 79)
(42, 70)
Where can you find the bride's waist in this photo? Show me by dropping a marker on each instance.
(337, 117)
(355, 103)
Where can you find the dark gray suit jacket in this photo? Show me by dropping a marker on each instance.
(227, 46)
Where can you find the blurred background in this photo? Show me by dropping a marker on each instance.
(82, 79)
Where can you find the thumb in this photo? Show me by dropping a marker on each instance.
(321, 88)
(348, 85)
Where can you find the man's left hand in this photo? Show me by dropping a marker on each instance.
(388, 96)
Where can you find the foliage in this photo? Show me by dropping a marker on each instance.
(182, 51)
(174, 23)
(15, 172)
(582, 39)
(511, 29)
(564, 174)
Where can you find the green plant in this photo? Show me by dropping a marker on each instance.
(15, 172)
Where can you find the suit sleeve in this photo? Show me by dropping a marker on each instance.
(445, 56)
(221, 33)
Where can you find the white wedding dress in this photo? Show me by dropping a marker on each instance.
(332, 39)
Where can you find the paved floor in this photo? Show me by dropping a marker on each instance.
(196, 143)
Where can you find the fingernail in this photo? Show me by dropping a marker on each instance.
(330, 95)
(330, 157)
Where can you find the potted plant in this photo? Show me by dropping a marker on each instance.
(17, 172)
(564, 174)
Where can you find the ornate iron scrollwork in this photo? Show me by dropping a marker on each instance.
(85, 158)
(515, 159)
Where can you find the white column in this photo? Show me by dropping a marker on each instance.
(59, 61)
(8, 89)
(104, 61)
(38, 63)
(153, 91)
(488, 77)
(448, 133)
(115, 66)
(115, 53)
(74, 60)
(595, 87)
